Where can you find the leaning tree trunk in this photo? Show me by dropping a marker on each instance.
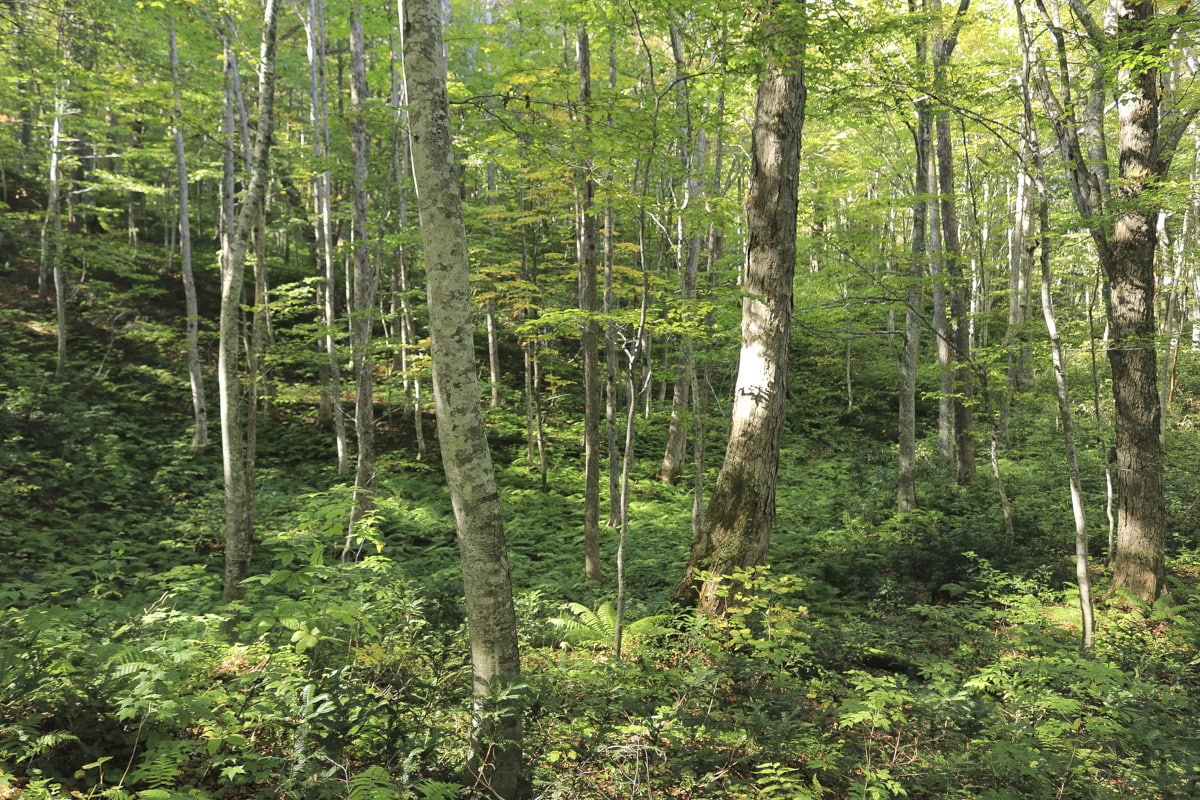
(199, 405)
(491, 619)
(737, 525)
(236, 455)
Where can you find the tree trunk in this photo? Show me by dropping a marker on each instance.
(589, 340)
(737, 524)
(332, 412)
(52, 235)
(688, 235)
(959, 288)
(237, 458)
(363, 292)
(1126, 253)
(491, 620)
(199, 405)
(610, 329)
(1022, 244)
(1140, 567)
(906, 481)
(960, 331)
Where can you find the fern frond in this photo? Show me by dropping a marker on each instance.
(648, 626)
(373, 783)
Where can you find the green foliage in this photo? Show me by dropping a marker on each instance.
(598, 629)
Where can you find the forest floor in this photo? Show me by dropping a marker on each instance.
(921, 655)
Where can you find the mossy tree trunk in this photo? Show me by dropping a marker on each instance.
(491, 619)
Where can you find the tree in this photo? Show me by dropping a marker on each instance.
(1147, 141)
(906, 476)
(960, 326)
(737, 524)
(195, 376)
(362, 292)
(331, 393)
(585, 244)
(491, 619)
(237, 453)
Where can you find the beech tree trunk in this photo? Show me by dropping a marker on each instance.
(737, 524)
(1126, 254)
(960, 331)
(52, 234)
(237, 457)
(959, 287)
(491, 619)
(332, 412)
(362, 292)
(199, 404)
(688, 233)
(906, 480)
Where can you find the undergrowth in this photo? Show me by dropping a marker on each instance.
(881, 656)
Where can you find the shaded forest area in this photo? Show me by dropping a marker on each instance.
(215, 226)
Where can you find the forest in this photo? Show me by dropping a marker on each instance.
(515, 399)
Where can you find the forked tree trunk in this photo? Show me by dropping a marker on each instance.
(491, 620)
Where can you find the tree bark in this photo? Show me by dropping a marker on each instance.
(959, 288)
(332, 412)
(589, 340)
(1126, 254)
(52, 235)
(1140, 567)
(196, 377)
(237, 457)
(362, 294)
(688, 235)
(491, 620)
(906, 481)
(737, 524)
